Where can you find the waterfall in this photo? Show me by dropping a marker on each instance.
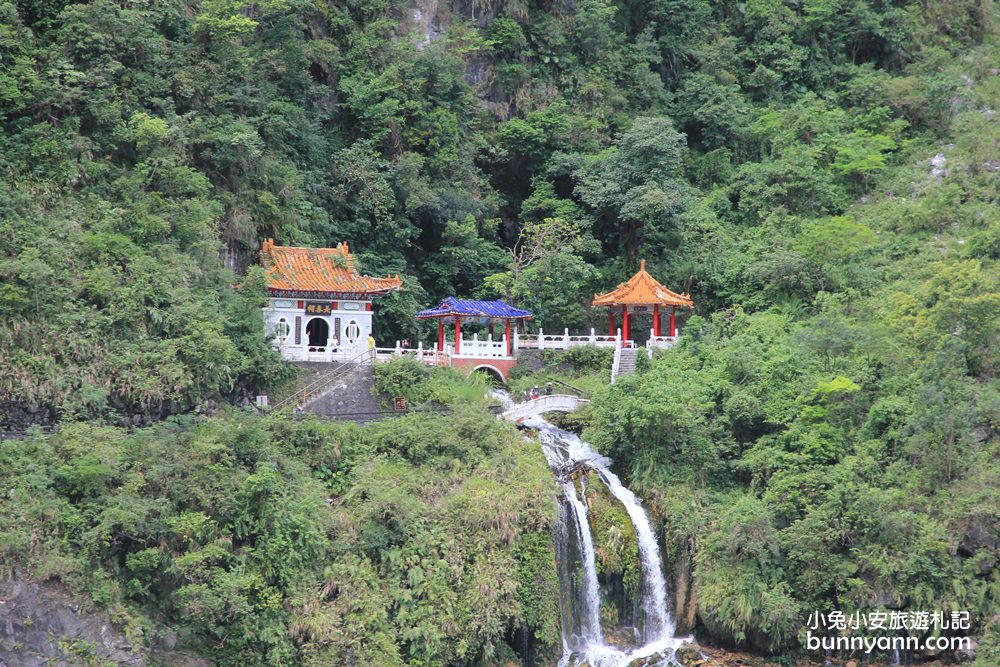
(583, 639)
(590, 623)
(658, 621)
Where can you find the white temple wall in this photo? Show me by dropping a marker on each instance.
(287, 322)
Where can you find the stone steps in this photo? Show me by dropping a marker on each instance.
(626, 362)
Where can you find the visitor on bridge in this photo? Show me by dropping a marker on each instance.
(548, 389)
(371, 347)
(535, 393)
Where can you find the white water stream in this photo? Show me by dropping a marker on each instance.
(591, 612)
(563, 451)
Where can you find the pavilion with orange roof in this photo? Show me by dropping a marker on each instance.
(641, 294)
(320, 307)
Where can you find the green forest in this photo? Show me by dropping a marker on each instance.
(822, 176)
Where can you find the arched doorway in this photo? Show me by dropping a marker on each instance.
(318, 333)
(493, 375)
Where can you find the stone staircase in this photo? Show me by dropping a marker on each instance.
(624, 363)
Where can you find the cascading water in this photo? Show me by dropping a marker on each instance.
(658, 621)
(583, 640)
(590, 621)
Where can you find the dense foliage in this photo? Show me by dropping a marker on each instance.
(830, 440)
(422, 540)
(821, 175)
(532, 151)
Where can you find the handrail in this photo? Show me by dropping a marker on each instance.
(324, 380)
(549, 403)
(583, 392)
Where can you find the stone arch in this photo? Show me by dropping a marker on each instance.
(492, 371)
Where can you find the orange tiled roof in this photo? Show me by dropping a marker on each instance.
(319, 270)
(642, 290)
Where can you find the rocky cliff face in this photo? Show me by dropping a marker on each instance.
(42, 625)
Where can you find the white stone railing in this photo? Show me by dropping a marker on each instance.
(542, 404)
(662, 342)
(563, 341)
(429, 356)
(325, 353)
(497, 349)
(488, 349)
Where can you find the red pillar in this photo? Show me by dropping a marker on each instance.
(673, 323)
(458, 335)
(656, 319)
(440, 335)
(510, 343)
(611, 315)
(491, 327)
(625, 331)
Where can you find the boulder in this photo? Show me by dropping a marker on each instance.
(689, 654)
(967, 654)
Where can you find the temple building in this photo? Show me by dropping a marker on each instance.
(320, 307)
(643, 295)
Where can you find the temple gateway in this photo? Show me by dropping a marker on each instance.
(320, 307)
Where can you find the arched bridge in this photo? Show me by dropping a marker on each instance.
(550, 403)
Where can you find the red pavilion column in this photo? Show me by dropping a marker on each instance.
(458, 334)
(510, 343)
(611, 316)
(656, 319)
(625, 331)
(441, 334)
(673, 323)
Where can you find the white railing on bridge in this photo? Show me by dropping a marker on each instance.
(497, 349)
(489, 348)
(470, 348)
(542, 404)
(563, 341)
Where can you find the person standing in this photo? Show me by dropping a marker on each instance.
(548, 389)
(371, 347)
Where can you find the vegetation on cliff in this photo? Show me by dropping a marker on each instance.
(820, 174)
(425, 539)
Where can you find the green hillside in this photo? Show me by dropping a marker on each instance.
(822, 176)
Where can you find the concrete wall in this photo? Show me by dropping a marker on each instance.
(349, 395)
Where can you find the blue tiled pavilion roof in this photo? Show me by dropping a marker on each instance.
(469, 308)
